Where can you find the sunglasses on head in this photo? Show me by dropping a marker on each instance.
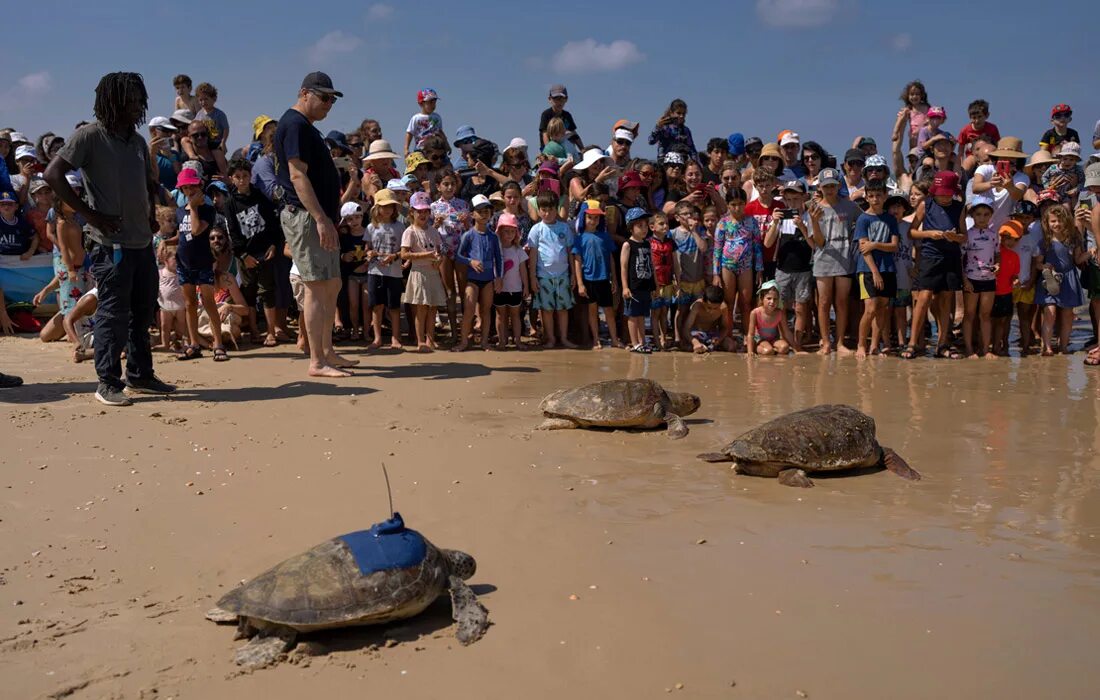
(324, 97)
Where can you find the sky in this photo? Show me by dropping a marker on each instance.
(827, 69)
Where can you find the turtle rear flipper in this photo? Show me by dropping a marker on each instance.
(468, 612)
(795, 477)
(893, 461)
(265, 648)
(676, 426)
(556, 424)
(714, 457)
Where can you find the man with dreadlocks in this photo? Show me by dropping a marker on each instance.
(120, 184)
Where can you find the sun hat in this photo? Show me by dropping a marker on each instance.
(592, 206)
(320, 82)
(350, 209)
(7, 197)
(414, 160)
(1025, 208)
(162, 123)
(258, 125)
(553, 149)
(426, 94)
(17, 138)
(339, 140)
(184, 116)
(979, 200)
(673, 158)
(479, 201)
(789, 138)
(828, 176)
(875, 161)
(945, 183)
(1039, 157)
(1060, 107)
(591, 157)
(1092, 175)
(516, 143)
(396, 185)
(22, 152)
(1009, 147)
(497, 198)
(420, 200)
(936, 111)
(1069, 148)
(188, 176)
(380, 150)
(381, 198)
(770, 284)
(771, 150)
(631, 178)
(736, 142)
(794, 186)
(626, 134)
(636, 214)
(37, 184)
(507, 220)
(464, 133)
(1012, 229)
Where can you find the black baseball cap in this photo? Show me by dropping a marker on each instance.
(854, 154)
(320, 82)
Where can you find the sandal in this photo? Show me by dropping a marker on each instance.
(947, 353)
(220, 355)
(642, 349)
(190, 352)
(908, 353)
(270, 341)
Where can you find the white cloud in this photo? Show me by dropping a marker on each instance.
(332, 45)
(901, 42)
(797, 14)
(589, 56)
(27, 90)
(379, 12)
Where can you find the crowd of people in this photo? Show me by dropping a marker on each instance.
(766, 245)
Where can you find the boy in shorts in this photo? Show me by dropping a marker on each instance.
(877, 237)
(1008, 281)
(550, 243)
(789, 232)
(708, 323)
(666, 273)
(593, 251)
(692, 249)
(636, 268)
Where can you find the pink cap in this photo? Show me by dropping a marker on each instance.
(507, 219)
(937, 111)
(188, 176)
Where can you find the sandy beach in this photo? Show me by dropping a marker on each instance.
(613, 564)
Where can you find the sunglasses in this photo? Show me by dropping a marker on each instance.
(811, 156)
(857, 163)
(623, 142)
(324, 97)
(1063, 115)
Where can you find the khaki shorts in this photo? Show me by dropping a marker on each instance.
(1024, 296)
(315, 264)
(298, 287)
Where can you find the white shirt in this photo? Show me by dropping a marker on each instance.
(1027, 248)
(1002, 200)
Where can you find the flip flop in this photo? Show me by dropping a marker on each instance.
(642, 349)
(908, 353)
(947, 353)
(270, 342)
(1093, 358)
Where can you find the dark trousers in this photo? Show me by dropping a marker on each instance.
(127, 289)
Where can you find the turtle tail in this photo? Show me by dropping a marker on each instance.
(893, 461)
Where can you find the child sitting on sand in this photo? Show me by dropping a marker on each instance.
(768, 331)
(708, 323)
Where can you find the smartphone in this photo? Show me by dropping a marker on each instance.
(1004, 169)
(788, 213)
(341, 162)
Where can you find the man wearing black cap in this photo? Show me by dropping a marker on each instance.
(310, 188)
(558, 97)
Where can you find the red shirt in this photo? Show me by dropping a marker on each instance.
(662, 252)
(763, 215)
(968, 134)
(1010, 267)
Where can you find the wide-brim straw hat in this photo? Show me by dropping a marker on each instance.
(1009, 147)
(1038, 158)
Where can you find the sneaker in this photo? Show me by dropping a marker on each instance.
(107, 394)
(150, 385)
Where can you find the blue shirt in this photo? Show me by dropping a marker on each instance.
(15, 236)
(485, 248)
(553, 243)
(878, 228)
(594, 250)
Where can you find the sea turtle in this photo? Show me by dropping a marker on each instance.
(618, 403)
(819, 439)
(367, 577)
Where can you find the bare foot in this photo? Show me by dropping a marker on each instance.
(861, 354)
(990, 356)
(597, 345)
(327, 371)
(843, 351)
(485, 347)
(616, 343)
(396, 345)
(549, 343)
(566, 344)
(338, 361)
(825, 349)
(424, 348)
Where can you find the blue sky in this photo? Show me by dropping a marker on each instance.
(829, 69)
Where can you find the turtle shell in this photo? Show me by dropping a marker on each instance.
(821, 438)
(366, 577)
(612, 403)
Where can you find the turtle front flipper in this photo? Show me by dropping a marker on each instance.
(468, 612)
(221, 616)
(265, 648)
(893, 461)
(795, 477)
(677, 428)
(714, 457)
(556, 424)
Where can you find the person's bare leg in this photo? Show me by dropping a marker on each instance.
(395, 326)
(469, 306)
(317, 324)
(1065, 327)
(744, 299)
(331, 293)
(485, 307)
(825, 287)
(191, 306)
(447, 268)
(206, 293)
(561, 318)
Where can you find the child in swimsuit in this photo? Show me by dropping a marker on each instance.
(768, 332)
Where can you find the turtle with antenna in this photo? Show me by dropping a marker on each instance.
(368, 577)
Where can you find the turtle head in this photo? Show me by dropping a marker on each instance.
(683, 404)
(459, 563)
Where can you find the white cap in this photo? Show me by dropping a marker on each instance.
(18, 137)
(183, 115)
(517, 142)
(479, 201)
(37, 184)
(350, 209)
(591, 157)
(624, 134)
(397, 185)
(161, 123)
(788, 138)
(25, 152)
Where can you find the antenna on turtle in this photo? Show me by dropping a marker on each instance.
(389, 492)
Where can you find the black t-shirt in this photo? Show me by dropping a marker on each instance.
(253, 225)
(470, 188)
(1053, 138)
(295, 137)
(793, 253)
(194, 250)
(548, 114)
(639, 270)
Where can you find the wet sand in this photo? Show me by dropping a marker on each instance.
(120, 527)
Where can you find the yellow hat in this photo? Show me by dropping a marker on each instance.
(414, 159)
(258, 125)
(382, 198)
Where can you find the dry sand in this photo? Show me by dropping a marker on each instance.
(614, 565)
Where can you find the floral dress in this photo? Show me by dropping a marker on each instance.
(456, 221)
(738, 246)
